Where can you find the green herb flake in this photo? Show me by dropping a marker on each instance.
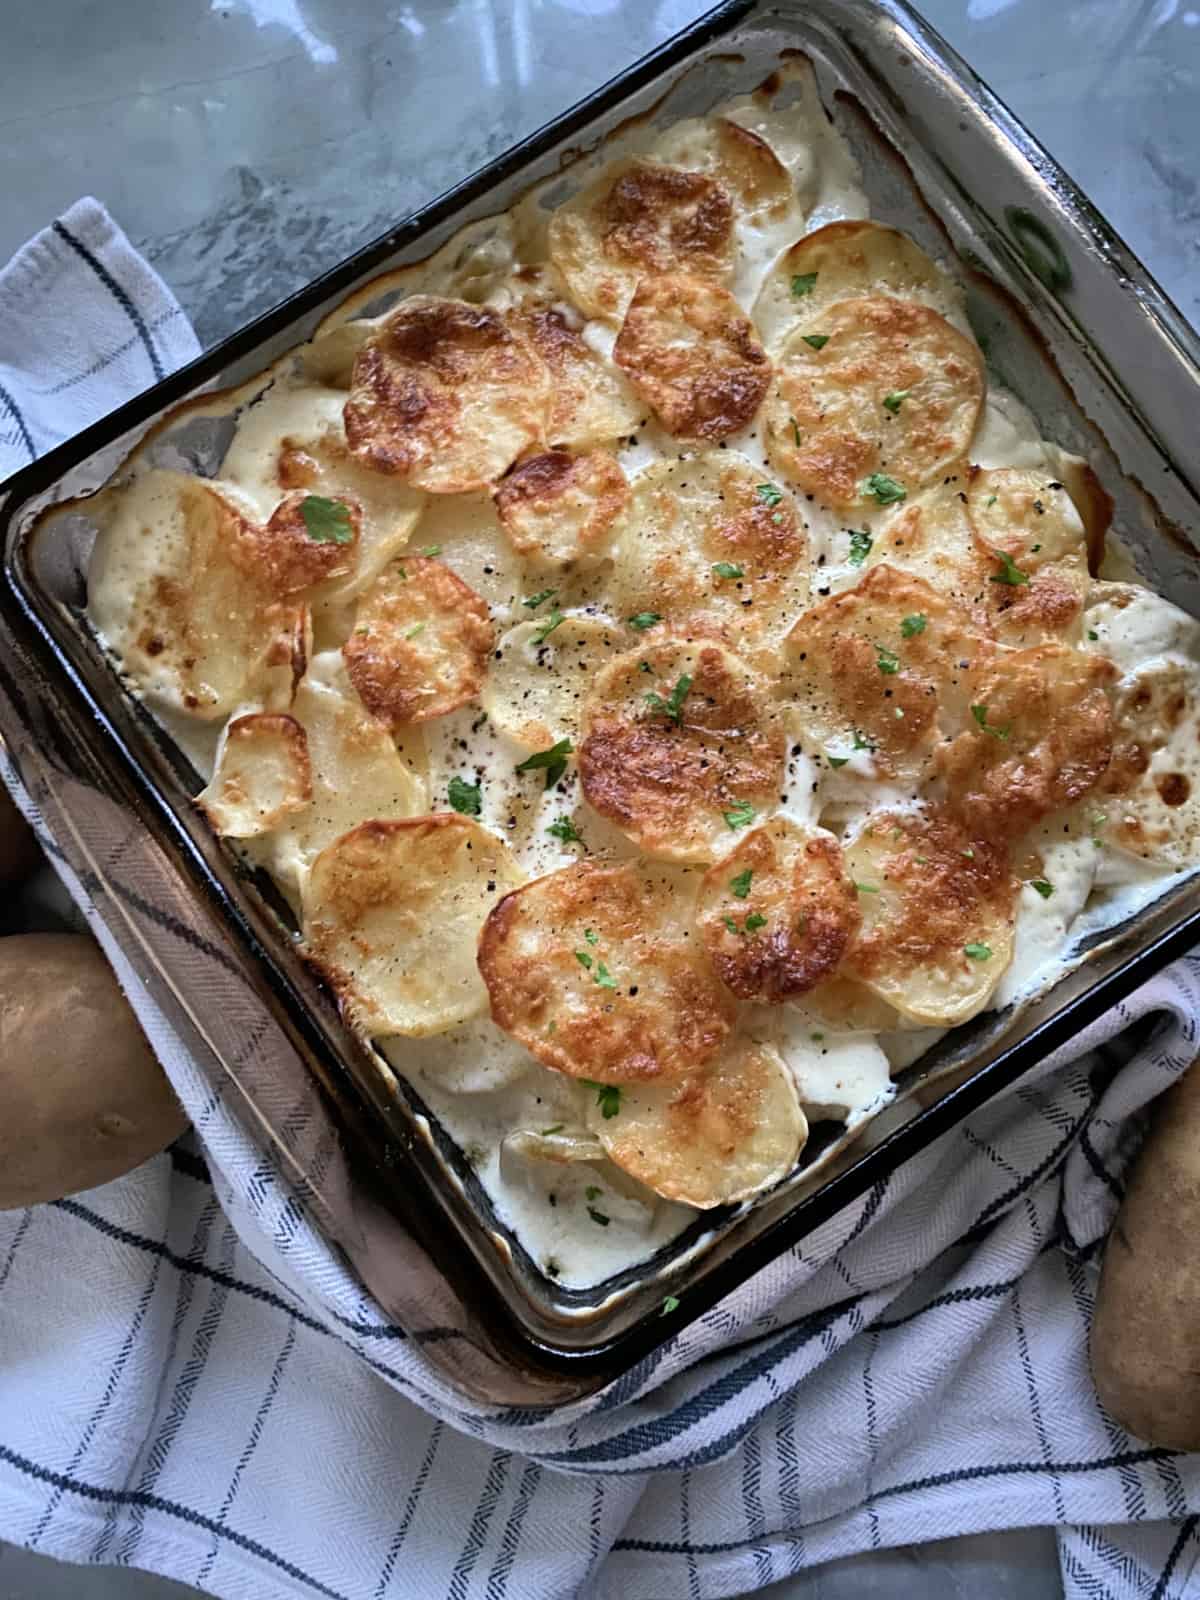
(553, 760)
(728, 569)
(608, 1097)
(1044, 888)
(803, 283)
(989, 502)
(980, 713)
(465, 798)
(861, 742)
(432, 550)
(546, 1132)
(886, 660)
(671, 1303)
(417, 627)
(554, 620)
(326, 521)
(597, 1216)
(816, 1037)
(401, 571)
(977, 951)
(796, 432)
(672, 707)
(593, 1191)
(1009, 572)
(911, 626)
(740, 815)
(892, 402)
(865, 888)
(860, 546)
(817, 340)
(731, 924)
(604, 977)
(536, 600)
(591, 936)
(837, 761)
(584, 960)
(740, 886)
(768, 493)
(754, 921)
(563, 828)
(644, 620)
(1093, 635)
(883, 490)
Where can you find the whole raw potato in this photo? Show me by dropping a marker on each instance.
(82, 1099)
(1146, 1330)
(19, 853)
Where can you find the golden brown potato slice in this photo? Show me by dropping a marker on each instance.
(307, 540)
(591, 402)
(1151, 800)
(1029, 518)
(558, 508)
(539, 679)
(712, 543)
(420, 643)
(873, 672)
(262, 775)
(844, 1005)
(718, 1136)
(778, 912)
(446, 395)
(681, 746)
(392, 913)
(735, 157)
(872, 401)
(595, 970)
(846, 261)
(938, 907)
(693, 356)
(931, 537)
(178, 591)
(640, 218)
(1039, 738)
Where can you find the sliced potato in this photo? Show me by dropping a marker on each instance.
(844, 1005)
(872, 400)
(712, 544)
(392, 913)
(1151, 798)
(1040, 737)
(640, 218)
(681, 747)
(474, 1057)
(420, 642)
(596, 970)
(176, 591)
(464, 531)
(847, 261)
(717, 1136)
(693, 356)
(562, 1147)
(938, 908)
(778, 912)
(536, 686)
(876, 668)
(558, 508)
(1030, 518)
(262, 775)
(591, 402)
(931, 536)
(446, 395)
(735, 157)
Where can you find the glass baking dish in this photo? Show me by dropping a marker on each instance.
(1068, 318)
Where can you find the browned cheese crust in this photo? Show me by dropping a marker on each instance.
(594, 970)
(778, 912)
(284, 554)
(590, 403)
(828, 429)
(445, 395)
(668, 781)
(692, 354)
(1039, 739)
(420, 642)
(557, 508)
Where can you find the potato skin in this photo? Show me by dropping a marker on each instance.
(84, 1099)
(19, 853)
(1145, 1344)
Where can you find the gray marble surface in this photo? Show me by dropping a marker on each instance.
(246, 145)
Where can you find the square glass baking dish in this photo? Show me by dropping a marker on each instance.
(1068, 319)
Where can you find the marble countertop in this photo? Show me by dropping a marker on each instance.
(247, 145)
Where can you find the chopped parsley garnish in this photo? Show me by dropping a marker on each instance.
(547, 628)
(465, 798)
(1099, 818)
(803, 283)
(740, 886)
(730, 924)
(989, 502)
(672, 707)
(554, 760)
(865, 888)
(593, 1192)
(1009, 572)
(816, 1038)
(432, 550)
(728, 569)
(557, 1128)
(400, 570)
(861, 743)
(892, 402)
(980, 713)
(817, 340)
(535, 600)
(913, 625)
(837, 761)
(591, 936)
(608, 1097)
(740, 815)
(326, 521)
(886, 660)
(860, 546)
(754, 921)
(417, 627)
(671, 1303)
(1092, 634)
(597, 1216)
(1044, 888)
(796, 432)
(584, 959)
(883, 490)
(563, 828)
(977, 951)
(644, 620)
(601, 974)
(768, 493)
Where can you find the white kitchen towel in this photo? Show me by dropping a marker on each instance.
(185, 1390)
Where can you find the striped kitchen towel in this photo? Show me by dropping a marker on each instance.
(184, 1390)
